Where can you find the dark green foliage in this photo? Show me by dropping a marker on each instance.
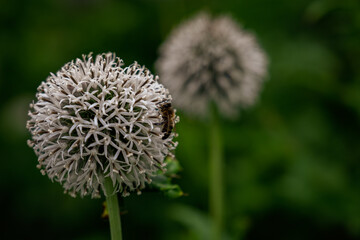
(292, 161)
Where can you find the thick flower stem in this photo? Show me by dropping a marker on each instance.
(216, 175)
(113, 209)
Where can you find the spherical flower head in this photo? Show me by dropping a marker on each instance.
(95, 119)
(208, 60)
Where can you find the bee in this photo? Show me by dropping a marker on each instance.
(168, 118)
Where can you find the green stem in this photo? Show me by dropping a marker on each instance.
(113, 209)
(216, 175)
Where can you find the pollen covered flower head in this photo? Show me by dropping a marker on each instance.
(94, 119)
(208, 60)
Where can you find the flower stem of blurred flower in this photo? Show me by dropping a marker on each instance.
(113, 209)
(216, 175)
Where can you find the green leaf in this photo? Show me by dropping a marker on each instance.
(163, 181)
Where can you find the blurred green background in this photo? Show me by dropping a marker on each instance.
(292, 161)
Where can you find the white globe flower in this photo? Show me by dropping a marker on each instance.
(209, 59)
(95, 119)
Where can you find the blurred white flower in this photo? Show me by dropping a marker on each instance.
(212, 60)
(95, 119)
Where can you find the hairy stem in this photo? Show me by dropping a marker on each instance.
(113, 209)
